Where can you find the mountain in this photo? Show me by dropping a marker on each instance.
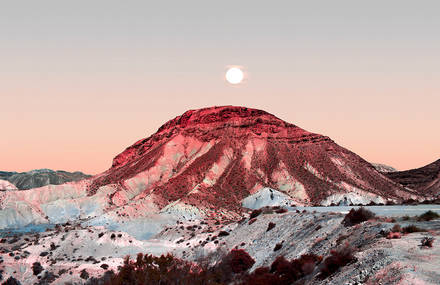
(41, 177)
(220, 155)
(426, 179)
(384, 168)
(205, 163)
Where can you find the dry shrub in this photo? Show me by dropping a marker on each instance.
(357, 216)
(37, 268)
(223, 233)
(148, 269)
(337, 259)
(427, 242)
(283, 271)
(278, 246)
(412, 229)
(262, 276)
(281, 211)
(396, 229)
(270, 226)
(394, 235)
(255, 213)
(239, 260)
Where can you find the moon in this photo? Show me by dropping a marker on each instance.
(234, 75)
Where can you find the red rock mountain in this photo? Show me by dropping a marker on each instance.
(212, 158)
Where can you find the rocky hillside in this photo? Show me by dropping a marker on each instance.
(41, 177)
(204, 163)
(426, 179)
(220, 155)
(75, 253)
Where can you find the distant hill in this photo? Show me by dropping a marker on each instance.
(383, 167)
(41, 177)
(426, 179)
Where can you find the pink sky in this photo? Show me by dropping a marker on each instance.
(79, 84)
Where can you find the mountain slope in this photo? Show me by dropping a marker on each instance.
(203, 164)
(220, 155)
(426, 179)
(41, 177)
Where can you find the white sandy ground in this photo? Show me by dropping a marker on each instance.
(380, 261)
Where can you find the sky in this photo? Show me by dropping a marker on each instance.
(82, 80)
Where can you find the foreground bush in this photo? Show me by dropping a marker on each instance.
(239, 260)
(357, 216)
(283, 272)
(148, 269)
(169, 270)
(337, 259)
(231, 268)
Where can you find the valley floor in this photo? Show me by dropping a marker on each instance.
(75, 253)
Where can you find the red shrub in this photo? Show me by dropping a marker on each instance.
(337, 259)
(393, 235)
(148, 269)
(255, 213)
(278, 246)
(357, 216)
(290, 271)
(262, 276)
(251, 221)
(412, 229)
(281, 211)
(239, 260)
(270, 226)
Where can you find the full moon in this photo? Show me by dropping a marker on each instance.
(234, 75)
